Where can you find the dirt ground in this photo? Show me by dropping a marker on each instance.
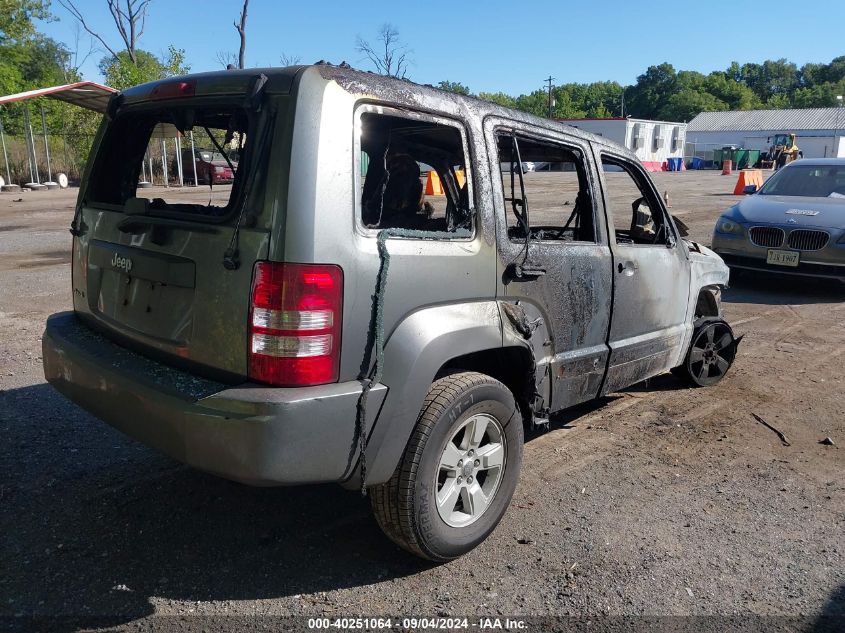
(661, 500)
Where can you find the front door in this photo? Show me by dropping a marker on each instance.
(553, 254)
(651, 277)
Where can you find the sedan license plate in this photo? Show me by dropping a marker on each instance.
(782, 258)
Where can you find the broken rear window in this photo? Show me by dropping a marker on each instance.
(413, 174)
(173, 160)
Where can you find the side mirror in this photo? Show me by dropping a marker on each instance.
(749, 189)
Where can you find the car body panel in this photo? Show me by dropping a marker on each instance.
(249, 433)
(651, 288)
(570, 302)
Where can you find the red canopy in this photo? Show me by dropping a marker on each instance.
(85, 94)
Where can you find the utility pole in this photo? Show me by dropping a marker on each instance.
(551, 100)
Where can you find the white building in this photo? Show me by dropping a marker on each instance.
(654, 142)
(819, 131)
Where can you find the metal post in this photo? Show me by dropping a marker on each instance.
(30, 149)
(5, 155)
(194, 160)
(46, 146)
(178, 143)
(164, 162)
(836, 129)
(549, 81)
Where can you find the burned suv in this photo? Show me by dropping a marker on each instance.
(382, 297)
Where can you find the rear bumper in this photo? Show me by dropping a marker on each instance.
(250, 433)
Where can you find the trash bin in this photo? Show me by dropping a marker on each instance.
(675, 164)
(696, 162)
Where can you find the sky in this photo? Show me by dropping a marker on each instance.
(488, 46)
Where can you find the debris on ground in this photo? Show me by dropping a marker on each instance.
(827, 442)
(769, 426)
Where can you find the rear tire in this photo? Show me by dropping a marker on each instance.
(432, 506)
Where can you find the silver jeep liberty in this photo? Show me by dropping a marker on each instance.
(380, 297)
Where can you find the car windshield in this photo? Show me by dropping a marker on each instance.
(811, 181)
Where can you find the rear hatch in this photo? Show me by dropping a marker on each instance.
(165, 267)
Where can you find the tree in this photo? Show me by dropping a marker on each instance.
(536, 103)
(389, 56)
(454, 86)
(16, 18)
(121, 72)
(686, 104)
(28, 59)
(736, 95)
(652, 91)
(498, 97)
(770, 79)
(129, 22)
(597, 100)
(240, 27)
(226, 59)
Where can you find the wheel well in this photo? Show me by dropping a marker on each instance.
(709, 302)
(512, 366)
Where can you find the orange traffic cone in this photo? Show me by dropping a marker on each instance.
(748, 177)
(433, 186)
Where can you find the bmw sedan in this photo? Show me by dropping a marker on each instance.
(795, 223)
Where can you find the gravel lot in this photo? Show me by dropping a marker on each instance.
(661, 500)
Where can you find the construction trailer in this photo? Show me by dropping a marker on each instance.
(654, 142)
(819, 131)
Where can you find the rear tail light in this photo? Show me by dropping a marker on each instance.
(295, 318)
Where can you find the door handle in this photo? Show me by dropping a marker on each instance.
(627, 268)
(516, 272)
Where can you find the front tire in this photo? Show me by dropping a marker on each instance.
(459, 470)
(711, 353)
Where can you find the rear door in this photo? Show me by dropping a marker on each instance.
(554, 259)
(651, 276)
(167, 268)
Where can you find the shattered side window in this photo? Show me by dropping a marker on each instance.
(413, 175)
(545, 187)
(634, 213)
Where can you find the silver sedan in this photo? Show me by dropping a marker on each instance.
(795, 223)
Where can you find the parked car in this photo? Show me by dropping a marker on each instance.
(212, 167)
(794, 225)
(245, 339)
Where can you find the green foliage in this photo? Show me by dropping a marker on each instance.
(454, 86)
(120, 72)
(684, 105)
(536, 103)
(498, 97)
(663, 93)
(821, 95)
(653, 88)
(16, 18)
